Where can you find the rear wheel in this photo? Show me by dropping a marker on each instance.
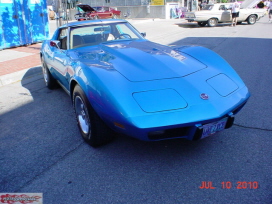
(202, 24)
(251, 19)
(212, 22)
(93, 130)
(49, 80)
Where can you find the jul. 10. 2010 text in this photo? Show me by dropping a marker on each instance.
(229, 185)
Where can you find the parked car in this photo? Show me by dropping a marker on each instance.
(98, 12)
(212, 14)
(120, 82)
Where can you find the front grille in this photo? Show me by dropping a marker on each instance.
(189, 15)
(170, 133)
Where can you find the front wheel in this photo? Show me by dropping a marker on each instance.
(93, 130)
(251, 19)
(202, 24)
(212, 22)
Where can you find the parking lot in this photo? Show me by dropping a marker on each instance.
(42, 151)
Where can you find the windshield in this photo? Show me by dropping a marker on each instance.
(99, 9)
(104, 33)
(207, 7)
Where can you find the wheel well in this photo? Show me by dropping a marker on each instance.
(253, 15)
(213, 18)
(72, 87)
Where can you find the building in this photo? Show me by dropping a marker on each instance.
(131, 8)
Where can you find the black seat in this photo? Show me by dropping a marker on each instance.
(63, 44)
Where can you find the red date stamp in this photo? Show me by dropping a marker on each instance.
(229, 185)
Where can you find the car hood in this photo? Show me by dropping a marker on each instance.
(249, 3)
(141, 61)
(85, 7)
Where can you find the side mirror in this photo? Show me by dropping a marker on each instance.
(143, 34)
(55, 43)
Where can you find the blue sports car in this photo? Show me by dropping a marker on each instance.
(120, 82)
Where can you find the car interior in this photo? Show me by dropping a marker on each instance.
(93, 35)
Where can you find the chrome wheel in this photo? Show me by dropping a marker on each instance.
(49, 80)
(45, 73)
(82, 115)
(251, 19)
(212, 22)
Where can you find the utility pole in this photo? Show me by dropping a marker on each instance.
(57, 8)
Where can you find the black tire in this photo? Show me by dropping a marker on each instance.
(93, 130)
(212, 22)
(49, 80)
(239, 23)
(251, 19)
(202, 24)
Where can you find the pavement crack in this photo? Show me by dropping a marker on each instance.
(50, 166)
(253, 128)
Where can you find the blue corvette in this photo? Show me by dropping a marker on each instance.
(120, 82)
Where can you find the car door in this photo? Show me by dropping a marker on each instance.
(61, 60)
(107, 12)
(226, 14)
(103, 13)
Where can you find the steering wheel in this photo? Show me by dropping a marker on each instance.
(124, 36)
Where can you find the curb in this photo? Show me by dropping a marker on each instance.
(22, 75)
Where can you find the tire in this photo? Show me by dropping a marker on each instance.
(93, 130)
(202, 24)
(49, 80)
(251, 19)
(212, 22)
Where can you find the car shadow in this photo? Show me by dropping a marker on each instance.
(195, 25)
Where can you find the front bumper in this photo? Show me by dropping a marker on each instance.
(190, 19)
(190, 131)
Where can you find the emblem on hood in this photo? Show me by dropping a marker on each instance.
(204, 96)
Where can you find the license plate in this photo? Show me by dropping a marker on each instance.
(212, 128)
